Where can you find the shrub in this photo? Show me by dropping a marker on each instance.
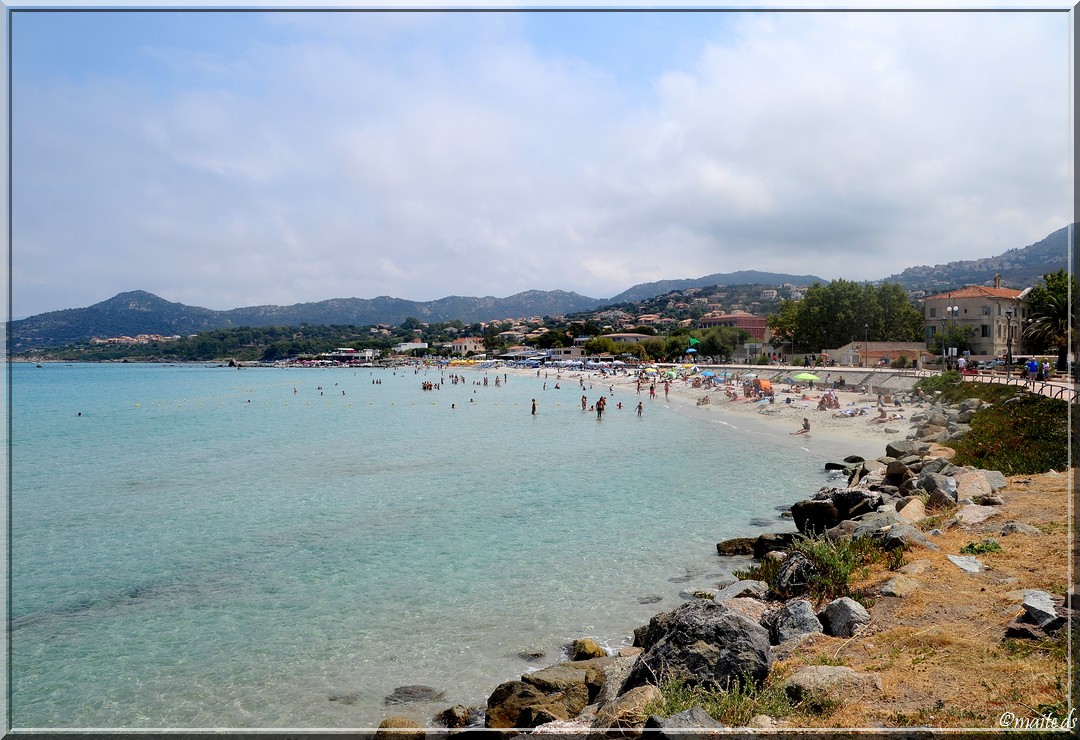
(899, 363)
(739, 704)
(978, 548)
(936, 383)
(837, 562)
(1020, 435)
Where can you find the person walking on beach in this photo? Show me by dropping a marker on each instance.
(534, 407)
(600, 404)
(638, 409)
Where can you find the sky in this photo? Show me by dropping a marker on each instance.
(227, 159)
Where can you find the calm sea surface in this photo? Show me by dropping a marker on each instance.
(205, 547)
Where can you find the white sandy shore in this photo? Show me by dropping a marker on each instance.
(779, 418)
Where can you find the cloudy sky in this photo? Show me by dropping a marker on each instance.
(231, 159)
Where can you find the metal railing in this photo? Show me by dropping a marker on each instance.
(1063, 390)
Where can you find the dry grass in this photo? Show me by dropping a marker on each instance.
(940, 650)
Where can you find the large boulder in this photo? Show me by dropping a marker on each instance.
(904, 447)
(690, 720)
(752, 589)
(837, 683)
(843, 617)
(703, 643)
(814, 517)
(971, 484)
(904, 535)
(772, 541)
(736, 546)
(400, 728)
(793, 576)
(586, 648)
(849, 502)
(521, 704)
(627, 712)
(793, 620)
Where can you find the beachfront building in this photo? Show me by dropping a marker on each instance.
(993, 313)
(755, 326)
(559, 354)
(466, 345)
(409, 346)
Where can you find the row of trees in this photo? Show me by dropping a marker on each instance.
(843, 311)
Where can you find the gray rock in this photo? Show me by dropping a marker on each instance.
(1039, 606)
(736, 546)
(967, 563)
(690, 719)
(793, 620)
(975, 514)
(996, 479)
(869, 524)
(902, 448)
(815, 516)
(990, 501)
(873, 466)
(831, 682)
(900, 586)
(414, 695)
(1020, 528)
(903, 534)
(936, 465)
(899, 469)
(917, 567)
(703, 643)
(843, 617)
(752, 609)
(793, 576)
(753, 589)
(936, 482)
(770, 541)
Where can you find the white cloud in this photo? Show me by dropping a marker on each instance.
(423, 155)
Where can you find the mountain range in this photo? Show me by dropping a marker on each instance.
(138, 312)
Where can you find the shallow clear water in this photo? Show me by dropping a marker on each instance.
(203, 547)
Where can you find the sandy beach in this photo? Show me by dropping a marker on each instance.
(784, 415)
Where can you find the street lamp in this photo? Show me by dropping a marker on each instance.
(952, 312)
(866, 345)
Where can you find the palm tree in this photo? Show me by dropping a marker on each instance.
(1049, 326)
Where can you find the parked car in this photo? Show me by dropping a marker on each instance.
(991, 364)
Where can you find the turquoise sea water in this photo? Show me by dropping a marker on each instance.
(205, 547)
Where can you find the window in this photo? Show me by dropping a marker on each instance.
(986, 310)
(933, 313)
(986, 330)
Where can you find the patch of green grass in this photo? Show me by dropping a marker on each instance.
(978, 548)
(765, 570)
(739, 704)
(838, 562)
(932, 522)
(1057, 647)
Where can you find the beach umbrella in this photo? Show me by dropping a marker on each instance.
(806, 376)
(691, 350)
(750, 375)
(708, 374)
(650, 371)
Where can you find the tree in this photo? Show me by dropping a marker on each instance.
(1049, 326)
(953, 336)
(833, 315)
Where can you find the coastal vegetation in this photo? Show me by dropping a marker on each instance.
(1018, 433)
(836, 565)
(741, 702)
